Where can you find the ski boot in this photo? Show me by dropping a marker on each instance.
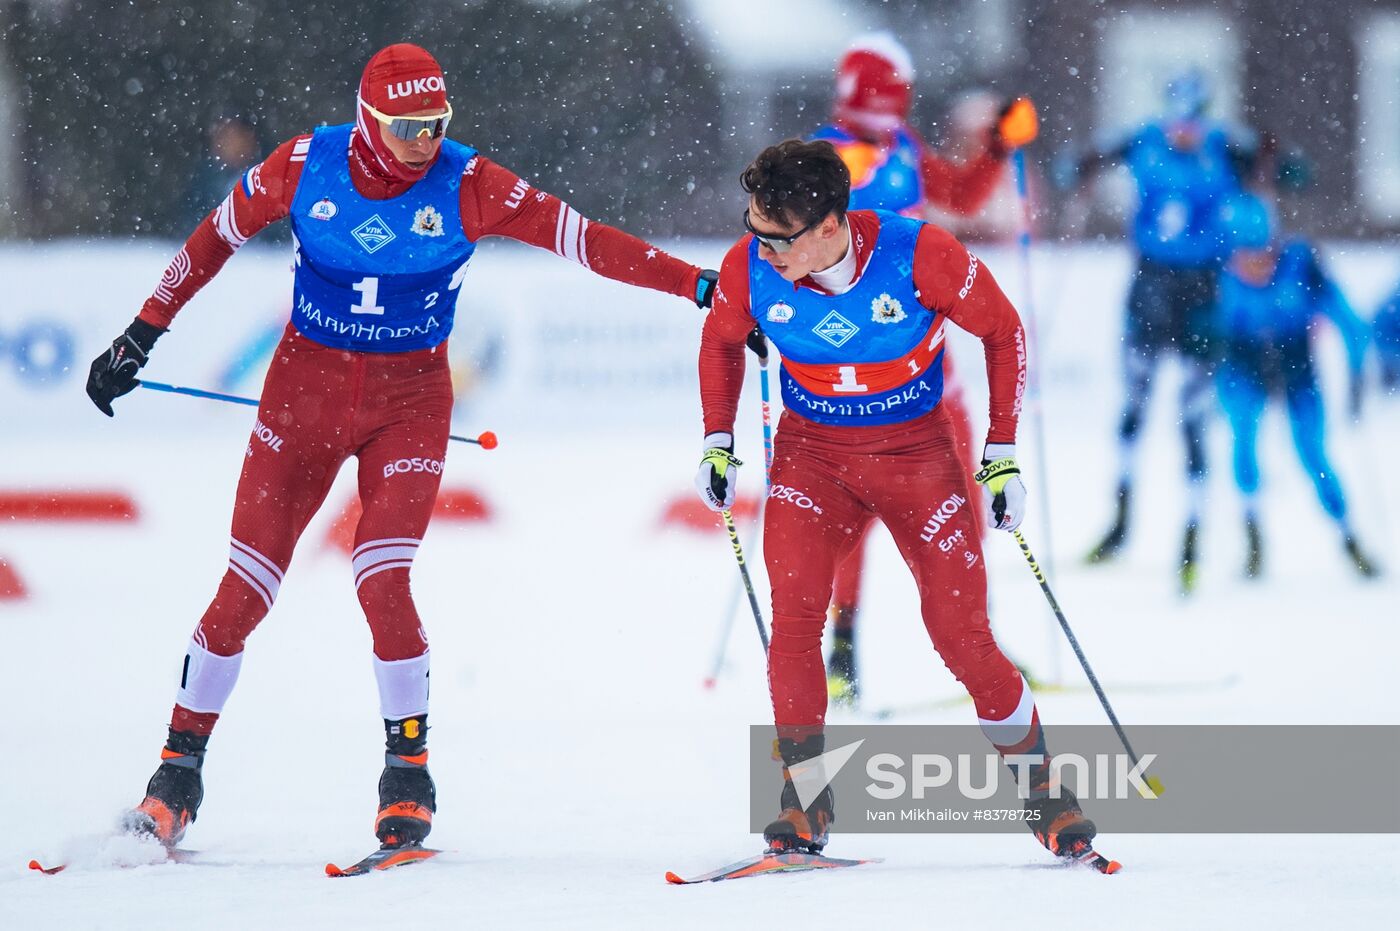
(1363, 564)
(1117, 535)
(1189, 572)
(1059, 824)
(1254, 561)
(174, 792)
(796, 829)
(842, 686)
(407, 796)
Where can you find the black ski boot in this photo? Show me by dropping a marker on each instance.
(1059, 824)
(407, 796)
(1117, 535)
(842, 686)
(1254, 561)
(1364, 566)
(796, 829)
(1189, 572)
(174, 792)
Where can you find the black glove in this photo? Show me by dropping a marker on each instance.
(757, 344)
(113, 373)
(705, 288)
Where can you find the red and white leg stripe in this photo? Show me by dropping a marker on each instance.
(375, 556)
(262, 574)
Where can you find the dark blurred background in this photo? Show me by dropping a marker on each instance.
(133, 118)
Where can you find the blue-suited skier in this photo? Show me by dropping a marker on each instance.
(1272, 292)
(1186, 168)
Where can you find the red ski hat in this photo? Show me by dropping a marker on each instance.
(874, 85)
(398, 79)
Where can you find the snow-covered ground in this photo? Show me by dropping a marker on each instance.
(577, 755)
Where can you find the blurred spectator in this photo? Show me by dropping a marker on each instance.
(232, 148)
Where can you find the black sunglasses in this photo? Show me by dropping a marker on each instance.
(778, 243)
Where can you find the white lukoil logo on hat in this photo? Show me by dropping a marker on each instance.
(414, 87)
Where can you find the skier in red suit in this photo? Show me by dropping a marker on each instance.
(893, 168)
(858, 305)
(385, 215)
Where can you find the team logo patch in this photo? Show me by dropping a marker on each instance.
(780, 313)
(323, 209)
(836, 329)
(428, 222)
(374, 234)
(886, 309)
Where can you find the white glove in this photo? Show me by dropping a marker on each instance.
(718, 472)
(1002, 489)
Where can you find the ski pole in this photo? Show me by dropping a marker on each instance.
(748, 581)
(758, 343)
(767, 417)
(722, 645)
(486, 439)
(1153, 782)
(1037, 403)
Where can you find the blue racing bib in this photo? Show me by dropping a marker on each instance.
(377, 275)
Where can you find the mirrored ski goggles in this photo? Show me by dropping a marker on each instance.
(409, 128)
(778, 243)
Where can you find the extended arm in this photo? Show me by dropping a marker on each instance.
(964, 189)
(497, 202)
(263, 196)
(1329, 301)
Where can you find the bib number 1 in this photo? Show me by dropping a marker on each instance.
(369, 294)
(848, 383)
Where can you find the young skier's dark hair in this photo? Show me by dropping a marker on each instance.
(798, 182)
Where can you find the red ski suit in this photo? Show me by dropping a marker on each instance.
(320, 405)
(963, 189)
(904, 474)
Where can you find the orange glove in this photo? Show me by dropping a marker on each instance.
(1017, 124)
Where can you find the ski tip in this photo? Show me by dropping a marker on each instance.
(1111, 867)
(333, 870)
(34, 865)
(673, 879)
(709, 683)
(46, 870)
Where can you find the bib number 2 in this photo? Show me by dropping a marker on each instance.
(369, 293)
